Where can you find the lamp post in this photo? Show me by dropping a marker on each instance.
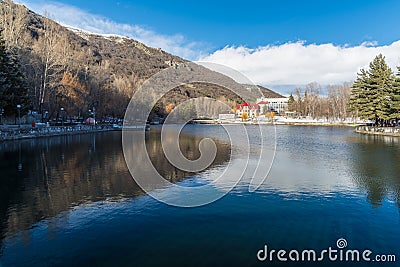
(89, 120)
(94, 115)
(62, 117)
(19, 115)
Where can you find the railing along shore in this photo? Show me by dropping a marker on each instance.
(23, 132)
(390, 131)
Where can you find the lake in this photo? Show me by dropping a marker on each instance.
(71, 201)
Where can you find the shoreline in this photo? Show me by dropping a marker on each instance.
(290, 122)
(318, 124)
(382, 131)
(13, 134)
(324, 124)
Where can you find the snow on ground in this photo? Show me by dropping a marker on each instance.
(310, 120)
(86, 34)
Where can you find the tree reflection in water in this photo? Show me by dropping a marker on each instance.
(41, 178)
(374, 168)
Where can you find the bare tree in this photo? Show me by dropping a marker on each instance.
(13, 21)
(338, 98)
(312, 103)
(52, 49)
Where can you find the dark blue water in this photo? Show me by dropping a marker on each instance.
(70, 201)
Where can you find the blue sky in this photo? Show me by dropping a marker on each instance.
(255, 23)
(250, 31)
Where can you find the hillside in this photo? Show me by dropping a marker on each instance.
(79, 71)
(268, 93)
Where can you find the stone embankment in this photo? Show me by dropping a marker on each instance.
(389, 131)
(25, 131)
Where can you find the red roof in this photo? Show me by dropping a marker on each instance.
(245, 104)
(253, 106)
(240, 106)
(263, 103)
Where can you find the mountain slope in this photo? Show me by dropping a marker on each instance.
(268, 93)
(79, 71)
(75, 70)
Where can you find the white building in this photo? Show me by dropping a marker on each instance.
(227, 117)
(280, 105)
(251, 110)
(263, 106)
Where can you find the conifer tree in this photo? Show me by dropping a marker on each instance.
(395, 97)
(380, 82)
(374, 91)
(13, 90)
(291, 103)
(358, 100)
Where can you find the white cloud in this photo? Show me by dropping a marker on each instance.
(300, 63)
(77, 18)
(276, 66)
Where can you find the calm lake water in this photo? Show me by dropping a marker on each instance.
(70, 201)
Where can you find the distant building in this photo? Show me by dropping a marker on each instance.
(280, 105)
(250, 109)
(263, 106)
(227, 116)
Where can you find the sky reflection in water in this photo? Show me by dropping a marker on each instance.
(71, 201)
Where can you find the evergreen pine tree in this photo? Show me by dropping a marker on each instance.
(380, 84)
(13, 90)
(373, 92)
(291, 103)
(358, 100)
(395, 97)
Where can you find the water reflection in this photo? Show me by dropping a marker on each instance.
(330, 160)
(322, 186)
(41, 178)
(326, 161)
(189, 145)
(376, 167)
